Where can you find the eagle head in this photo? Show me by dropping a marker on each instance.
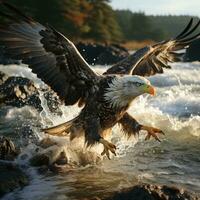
(123, 90)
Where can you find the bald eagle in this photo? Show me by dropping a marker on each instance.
(104, 98)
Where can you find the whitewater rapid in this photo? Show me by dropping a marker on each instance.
(175, 109)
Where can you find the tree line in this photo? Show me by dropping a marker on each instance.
(96, 20)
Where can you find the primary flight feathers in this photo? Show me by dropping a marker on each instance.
(152, 59)
(49, 54)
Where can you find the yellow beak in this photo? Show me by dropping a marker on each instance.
(151, 90)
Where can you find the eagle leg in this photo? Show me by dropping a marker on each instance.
(93, 135)
(151, 131)
(107, 147)
(130, 127)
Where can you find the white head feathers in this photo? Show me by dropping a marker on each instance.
(122, 90)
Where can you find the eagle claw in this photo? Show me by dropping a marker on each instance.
(151, 131)
(107, 147)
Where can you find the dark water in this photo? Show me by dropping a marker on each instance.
(174, 161)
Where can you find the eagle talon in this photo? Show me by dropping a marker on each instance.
(151, 131)
(107, 147)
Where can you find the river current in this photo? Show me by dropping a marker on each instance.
(175, 161)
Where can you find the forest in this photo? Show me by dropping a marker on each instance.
(95, 20)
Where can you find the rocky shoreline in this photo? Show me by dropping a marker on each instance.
(94, 54)
(12, 177)
(102, 54)
(152, 192)
(19, 92)
(108, 54)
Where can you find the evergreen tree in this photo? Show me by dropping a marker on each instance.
(102, 22)
(75, 13)
(45, 11)
(88, 19)
(138, 26)
(96, 20)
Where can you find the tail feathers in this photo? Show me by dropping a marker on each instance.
(59, 130)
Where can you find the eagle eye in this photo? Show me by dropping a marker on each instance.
(138, 84)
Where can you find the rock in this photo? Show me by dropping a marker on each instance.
(46, 159)
(94, 53)
(3, 77)
(39, 160)
(192, 52)
(102, 54)
(55, 163)
(48, 154)
(19, 92)
(53, 101)
(152, 192)
(11, 177)
(7, 149)
(54, 155)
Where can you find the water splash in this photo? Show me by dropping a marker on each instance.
(175, 110)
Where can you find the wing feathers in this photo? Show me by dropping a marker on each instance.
(152, 60)
(185, 30)
(48, 53)
(191, 31)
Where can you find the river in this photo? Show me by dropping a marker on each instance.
(175, 161)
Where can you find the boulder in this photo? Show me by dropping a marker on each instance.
(39, 160)
(19, 92)
(94, 53)
(48, 153)
(54, 156)
(11, 177)
(102, 54)
(8, 150)
(152, 192)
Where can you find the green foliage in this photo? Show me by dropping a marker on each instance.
(88, 19)
(138, 26)
(171, 25)
(42, 10)
(75, 14)
(104, 26)
(96, 20)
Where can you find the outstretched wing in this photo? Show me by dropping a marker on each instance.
(152, 59)
(49, 54)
